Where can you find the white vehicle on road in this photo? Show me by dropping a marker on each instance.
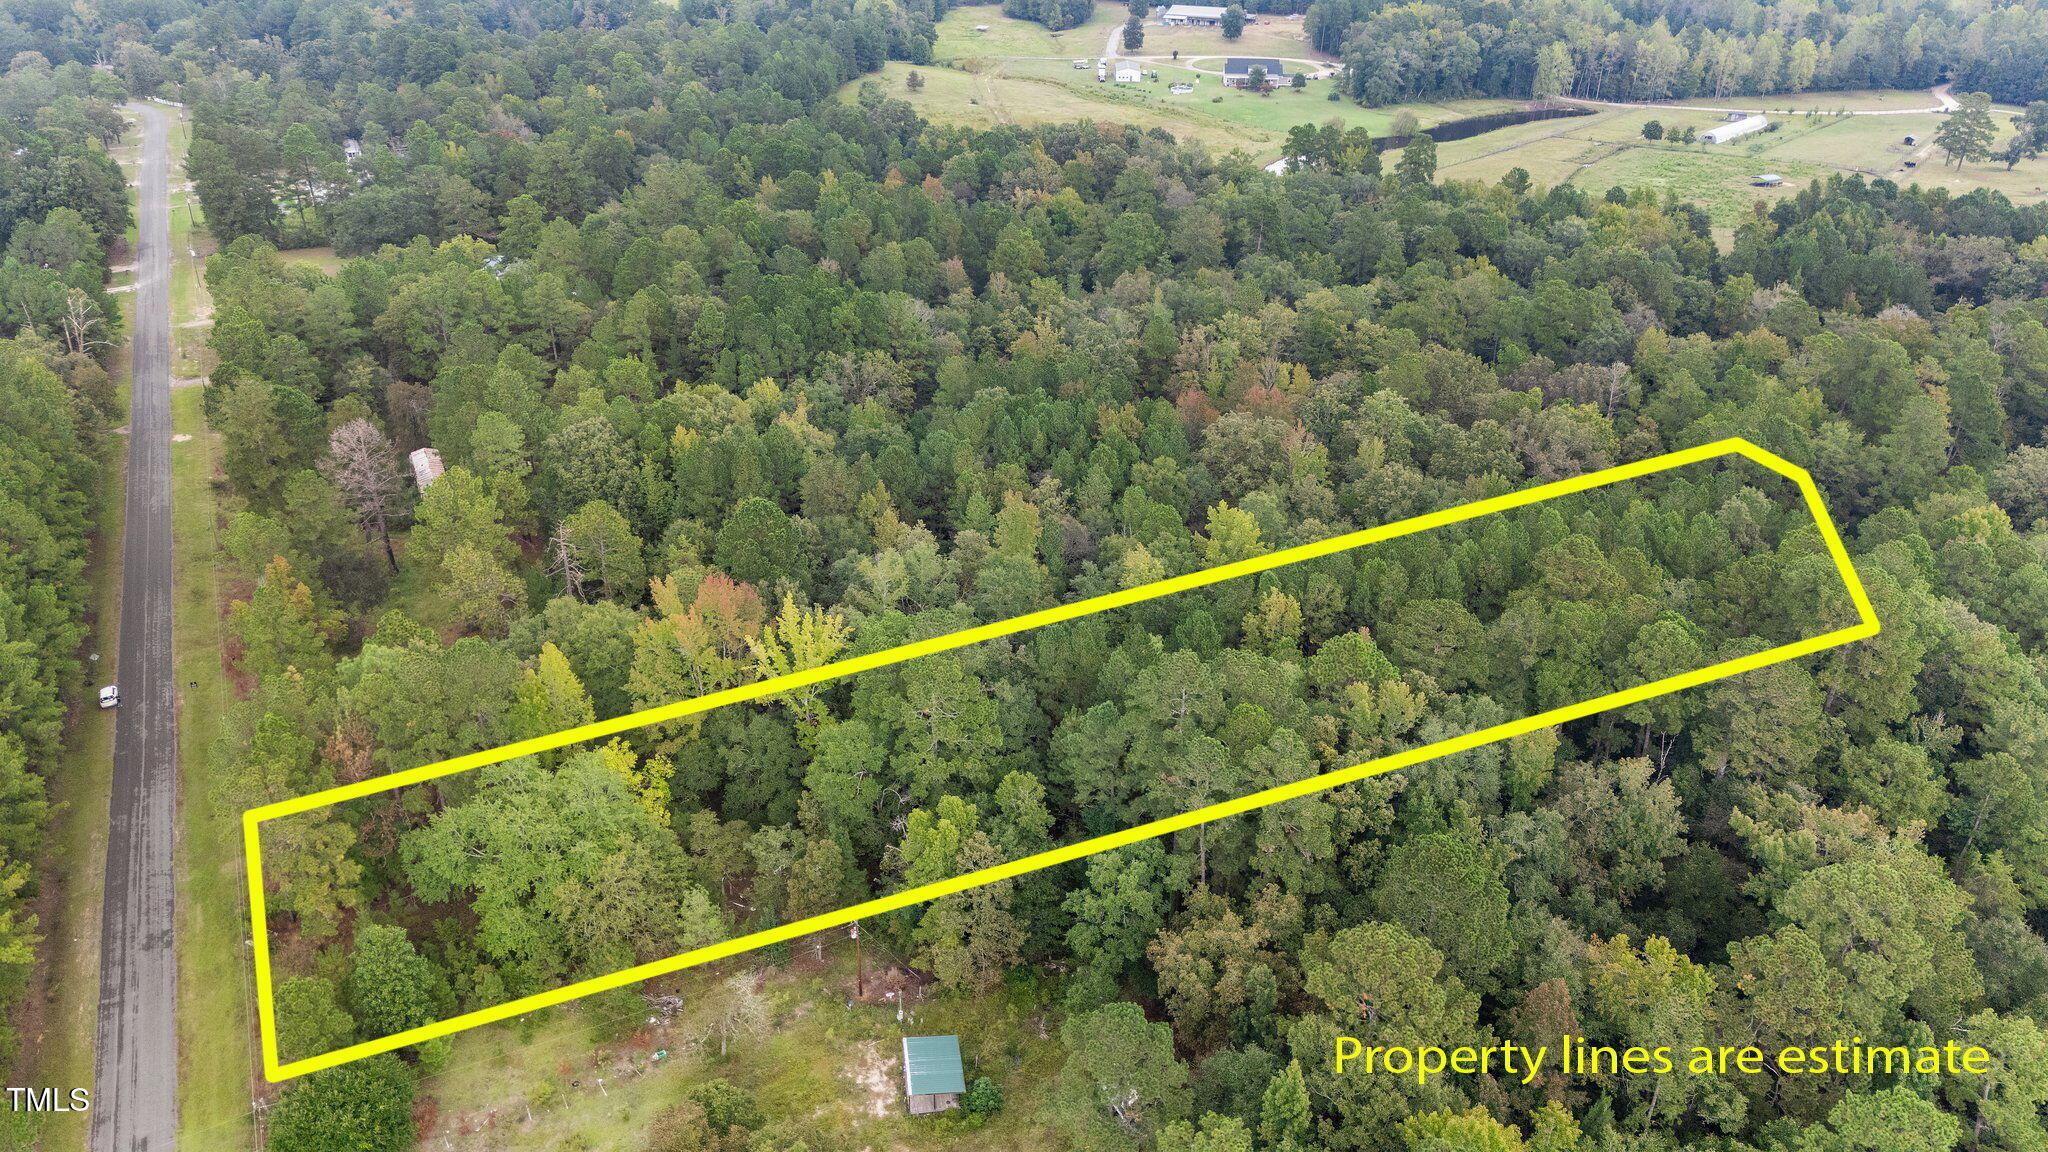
(110, 696)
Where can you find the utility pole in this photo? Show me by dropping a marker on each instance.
(860, 972)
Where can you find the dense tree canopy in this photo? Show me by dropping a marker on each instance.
(732, 377)
(1659, 50)
(63, 210)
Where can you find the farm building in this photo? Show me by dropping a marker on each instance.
(1237, 70)
(1734, 130)
(426, 467)
(1192, 15)
(1128, 73)
(1767, 180)
(933, 1076)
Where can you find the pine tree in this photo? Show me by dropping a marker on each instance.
(1968, 132)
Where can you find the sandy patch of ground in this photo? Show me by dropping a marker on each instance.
(876, 1075)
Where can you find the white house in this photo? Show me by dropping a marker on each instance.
(1237, 71)
(1734, 130)
(1128, 73)
(1196, 15)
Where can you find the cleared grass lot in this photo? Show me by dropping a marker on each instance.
(958, 42)
(532, 1085)
(1607, 149)
(1840, 100)
(1036, 92)
(983, 89)
(1018, 72)
(322, 258)
(1271, 36)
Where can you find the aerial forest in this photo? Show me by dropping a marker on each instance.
(1665, 51)
(737, 366)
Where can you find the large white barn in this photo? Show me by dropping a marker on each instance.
(1734, 130)
(1197, 15)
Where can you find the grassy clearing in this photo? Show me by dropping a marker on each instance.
(1047, 91)
(1017, 72)
(1846, 100)
(959, 37)
(1607, 149)
(322, 258)
(959, 43)
(1281, 36)
(191, 307)
(215, 993)
(531, 1085)
(960, 40)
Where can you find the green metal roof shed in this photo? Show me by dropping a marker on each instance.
(932, 1069)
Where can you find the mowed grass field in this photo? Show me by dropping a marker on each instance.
(1018, 72)
(1607, 149)
(322, 258)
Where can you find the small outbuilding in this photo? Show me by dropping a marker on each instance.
(933, 1076)
(426, 467)
(1128, 74)
(1767, 180)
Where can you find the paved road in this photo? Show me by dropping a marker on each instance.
(135, 1092)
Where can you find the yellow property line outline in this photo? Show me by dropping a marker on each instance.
(253, 818)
